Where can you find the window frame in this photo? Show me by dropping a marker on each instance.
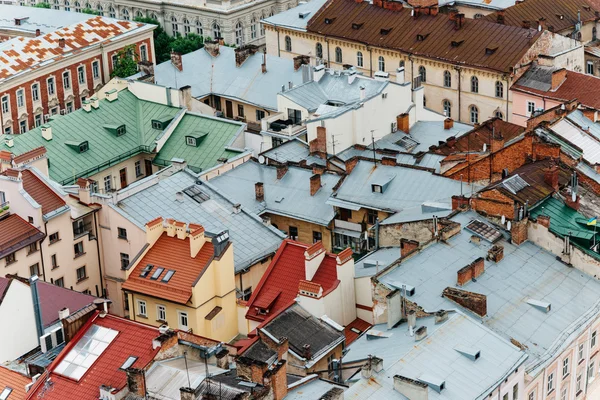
(85, 275)
(185, 315)
(161, 309)
(447, 79)
(474, 84)
(35, 92)
(288, 43)
(381, 63)
(359, 59)
(142, 308)
(20, 94)
(66, 80)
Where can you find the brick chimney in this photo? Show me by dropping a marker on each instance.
(496, 253)
(544, 220)
(448, 123)
(407, 246)
(212, 47)
(350, 164)
(84, 186)
(264, 63)
(242, 53)
(276, 378)
(526, 24)
(315, 184)
(61, 43)
(301, 60)
(558, 77)
(551, 176)
(197, 239)
(403, 122)
(460, 202)
(176, 60)
(259, 191)
(282, 169)
(136, 381)
(313, 256)
(318, 146)
(518, 231)
(38, 32)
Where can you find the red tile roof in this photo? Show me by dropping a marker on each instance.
(4, 283)
(54, 298)
(282, 277)
(134, 339)
(29, 155)
(41, 192)
(359, 324)
(479, 43)
(15, 381)
(170, 253)
(16, 233)
(5, 155)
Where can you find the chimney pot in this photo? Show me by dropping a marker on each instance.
(551, 177)
(448, 123)
(318, 146)
(420, 333)
(259, 191)
(61, 43)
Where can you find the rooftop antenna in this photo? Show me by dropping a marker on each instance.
(373, 144)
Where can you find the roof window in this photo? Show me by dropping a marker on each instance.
(5, 393)
(80, 147)
(491, 50)
(422, 36)
(117, 130)
(146, 270)
(129, 362)
(162, 122)
(168, 276)
(157, 273)
(329, 21)
(195, 139)
(456, 43)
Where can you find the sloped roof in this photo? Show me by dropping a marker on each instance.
(16, 233)
(172, 254)
(15, 381)
(510, 42)
(133, 339)
(41, 193)
(54, 298)
(354, 329)
(67, 164)
(46, 20)
(282, 277)
(296, 18)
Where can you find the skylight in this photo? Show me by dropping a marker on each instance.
(5, 393)
(195, 193)
(168, 275)
(129, 362)
(157, 273)
(146, 270)
(85, 353)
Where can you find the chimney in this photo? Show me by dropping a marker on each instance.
(452, 14)
(558, 77)
(84, 192)
(64, 313)
(551, 177)
(496, 252)
(212, 47)
(47, 132)
(441, 316)
(181, 230)
(154, 229)
(448, 123)
(276, 377)
(300, 60)
(147, 71)
(313, 257)
(407, 246)
(61, 43)
(176, 60)
(315, 184)
(171, 231)
(9, 142)
(111, 95)
(242, 53)
(400, 75)
(33, 282)
(136, 382)
(37, 32)
(95, 102)
(282, 169)
(403, 123)
(459, 21)
(420, 333)
(86, 105)
(350, 164)
(500, 16)
(518, 231)
(526, 24)
(411, 388)
(197, 239)
(363, 93)
(373, 365)
(259, 191)
(264, 63)
(318, 169)
(394, 308)
(318, 146)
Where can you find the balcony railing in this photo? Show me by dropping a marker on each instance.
(280, 124)
(82, 229)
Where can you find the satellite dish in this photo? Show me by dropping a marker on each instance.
(261, 159)
(503, 219)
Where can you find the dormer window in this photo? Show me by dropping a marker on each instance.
(191, 141)
(329, 21)
(83, 147)
(422, 36)
(80, 147)
(161, 123)
(117, 130)
(490, 50)
(356, 26)
(121, 130)
(456, 43)
(385, 31)
(195, 139)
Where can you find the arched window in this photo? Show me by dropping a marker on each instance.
(381, 63)
(288, 43)
(125, 14)
(474, 84)
(56, 5)
(423, 73)
(77, 6)
(447, 79)
(154, 16)
(174, 26)
(88, 6)
(139, 14)
(187, 28)
(262, 26)
(100, 10)
(199, 30)
(447, 108)
(338, 55)
(499, 89)
(111, 12)
(401, 65)
(474, 113)
(359, 59)
(239, 34)
(216, 30)
(67, 6)
(253, 28)
(498, 114)
(319, 50)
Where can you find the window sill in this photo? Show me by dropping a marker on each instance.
(161, 321)
(83, 279)
(79, 255)
(54, 242)
(566, 376)
(55, 267)
(580, 361)
(31, 252)
(550, 392)
(142, 316)
(122, 237)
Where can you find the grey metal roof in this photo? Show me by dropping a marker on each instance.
(375, 261)
(311, 390)
(252, 240)
(575, 135)
(334, 86)
(537, 77)
(38, 18)
(437, 357)
(425, 133)
(219, 75)
(526, 272)
(407, 190)
(296, 18)
(288, 196)
(580, 119)
(295, 151)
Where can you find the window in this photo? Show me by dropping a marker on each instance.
(95, 69)
(381, 63)
(578, 385)
(138, 169)
(67, 6)
(107, 184)
(23, 126)
(580, 353)
(5, 107)
(124, 260)
(83, 147)
(32, 248)
(183, 320)
(56, 6)
(262, 28)
(515, 395)
(77, 6)
(37, 120)
(319, 50)
(125, 14)
(563, 393)
(591, 375)
(199, 29)
(240, 109)
(34, 270)
(293, 233)
(35, 92)
(122, 233)
(288, 43)
(338, 55)
(423, 73)
(372, 217)
(60, 282)
(447, 79)
(81, 74)
(187, 28)
(565, 368)
(78, 249)
(317, 236)
(498, 114)
(246, 294)
(190, 141)
(590, 67)
(530, 108)
(474, 84)
(66, 76)
(447, 108)
(53, 261)
(550, 382)
(139, 14)
(216, 31)
(331, 366)
(401, 65)
(474, 113)
(260, 114)
(593, 340)
(11, 258)
(51, 88)
(239, 34)
(499, 89)
(8, 130)
(30, 219)
(69, 108)
(114, 60)
(142, 308)
(505, 397)
(100, 10)
(161, 313)
(81, 274)
(359, 59)
(253, 28)
(20, 98)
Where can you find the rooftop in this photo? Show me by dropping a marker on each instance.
(220, 76)
(437, 356)
(484, 4)
(16, 233)
(289, 196)
(296, 18)
(253, 240)
(294, 151)
(314, 389)
(41, 192)
(13, 380)
(577, 135)
(526, 272)
(54, 298)
(278, 288)
(32, 18)
(479, 43)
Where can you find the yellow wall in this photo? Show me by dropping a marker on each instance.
(305, 229)
(249, 110)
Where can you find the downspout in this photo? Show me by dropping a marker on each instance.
(37, 310)
(412, 70)
(278, 44)
(328, 59)
(103, 292)
(42, 251)
(459, 92)
(507, 94)
(370, 62)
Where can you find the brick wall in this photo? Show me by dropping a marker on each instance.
(492, 202)
(473, 301)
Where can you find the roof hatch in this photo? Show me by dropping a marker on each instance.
(468, 352)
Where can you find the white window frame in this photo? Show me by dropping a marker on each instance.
(593, 340)
(51, 84)
(96, 69)
(530, 108)
(20, 98)
(5, 104)
(550, 383)
(565, 367)
(144, 52)
(181, 314)
(160, 309)
(381, 63)
(107, 183)
(66, 82)
(81, 74)
(359, 59)
(23, 126)
(142, 308)
(580, 352)
(35, 92)
(589, 67)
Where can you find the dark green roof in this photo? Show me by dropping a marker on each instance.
(105, 148)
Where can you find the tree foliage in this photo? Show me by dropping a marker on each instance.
(127, 62)
(42, 5)
(90, 11)
(163, 43)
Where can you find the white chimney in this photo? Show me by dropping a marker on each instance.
(95, 102)
(351, 77)
(319, 71)
(10, 142)
(313, 257)
(363, 93)
(86, 105)
(181, 230)
(112, 95)
(47, 132)
(400, 75)
(64, 313)
(412, 322)
(411, 388)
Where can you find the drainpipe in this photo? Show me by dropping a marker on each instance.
(42, 251)
(278, 44)
(412, 70)
(37, 310)
(370, 62)
(459, 92)
(328, 59)
(103, 293)
(376, 234)
(505, 77)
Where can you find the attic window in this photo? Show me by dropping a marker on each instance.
(5, 393)
(195, 139)
(491, 50)
(118, 130)
(422, 36)
(329, 21)
(356, 26)
(162, 122)
(128, 363)
(560, 16)
(168, 276)
(83, 147)
(80, 147)
(157, 273)
(385, 31)
(456, 43)
(146, 270)
(356, 330)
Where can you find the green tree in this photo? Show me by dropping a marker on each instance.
(42, 5)
(187, 44)
(127, 62)
(90, 11)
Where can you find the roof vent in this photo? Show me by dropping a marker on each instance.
(373, 334)
(410, 290)
(9, 142)
(422, 36)
(356, 26)
(385, 31)
(470, 353)
(540, 305)
(456, 43)
(434, 383)
(329, 21)
(491, 50)
(47, 132)
(303, 14)
(420, 333)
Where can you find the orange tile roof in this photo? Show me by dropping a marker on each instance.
(170, 253)
(310, 287)
(41, 193)
(15, 381)
(31, 154)
(17, 233)
(358, 324)
(5, 155)
(345, 255)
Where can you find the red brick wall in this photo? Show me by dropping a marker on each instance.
(492, 202)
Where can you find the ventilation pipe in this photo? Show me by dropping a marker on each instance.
(37, 310)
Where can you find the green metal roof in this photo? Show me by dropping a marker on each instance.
(105, 148)
(214, 136)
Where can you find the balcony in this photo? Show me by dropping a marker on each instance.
(279, 124)
(4, 207)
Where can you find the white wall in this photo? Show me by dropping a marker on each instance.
(364, 297)
(16, 311)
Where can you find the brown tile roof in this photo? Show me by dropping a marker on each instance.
(480, 44)
(5, 155)
(31, 154)
(557, 15)
(41, 193)
(358, 325)
(15, 381)
(170, 253)
(16, 233)
(477, 137)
